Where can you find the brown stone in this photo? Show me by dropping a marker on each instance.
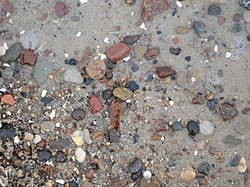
(117, 52)
(96, 134)
(198, 99)
(95, 104)
(96, 69)
(114, 111)
(182, 29)
(202, 182)
(28, 57)
(152, 53)
(164, 72)
(227, 110)
(89, 173)
(85, 58)
(188, 174)
(170, 175)
(7, 99)
(6, 5)
(60, 9)
(237, 17)
(160, 125)
(152, 8)
(221, 20)
(156, 137)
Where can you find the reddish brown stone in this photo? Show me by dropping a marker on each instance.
(221, 20)
(227, 110)
(151, 8)
(152, 53)
(237, 17)
(156, 137)
(202, 182)
(164, 71)
(89, 173)
(160, 125)
(29, 57)
(117, 52)
(95, 104)
(61, 9)
(6, 5)
(8, 99)
(114, 111)
(198, 99)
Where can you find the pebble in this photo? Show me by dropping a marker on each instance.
(96, 69)
(7, 73)
(46, 100)
(117, 52)
(176, 126)
(30, 40)
(42, 69)
(212, 104)
(60, 9)
(60, 157)
(235, 161)
(109, 75)
(182, 29)
(80, 154)
(47, 126)
(95, 104)
(160, 125)
(188, 174)
(6, 5)
(13, 53)
(152, 53)
(221, 20)
(133, 86)
(110, 65)
(147, 175)
(77, 137)
(7, 99)
(248, 37)
(242, 167)
(199, 27)
(135, 176)
(156, 137)
(152, 8)
(164, 72)
(206, 128)
(237, 27)
(2, 51)
(44, 155)
(204, 168)
(37, 139)
(201, 144)
(181, 79)
(247, 25)
(188, 58)
(72, 75)
(86, 136)
(87, 80)
(60, 143)
(237, 17)
(87, 184)
(122, 93)
(135, 68)
(245, 4)
(135, 166)
(214, 10)
(114, 111)
(114, 136)
(7, 131)
(78, 114)
(227, 111)
(139, 51)
(1, 81)
(107, 94)
(198, 99)
(131, 39)
(28, 136)
(175, 50)
(193, 127)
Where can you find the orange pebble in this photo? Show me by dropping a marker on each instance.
(8, 99)
(175, 40)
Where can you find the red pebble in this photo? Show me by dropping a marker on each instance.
(8, 99)
(61, 9)
(95, 104)
(117, 52)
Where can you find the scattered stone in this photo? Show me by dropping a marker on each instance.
(231, 141)
(114, 111)
(199, 27)
(214, 10)
(78, 114)
(175, 50)
(139, 51)
(133, 86)
(8, 99)
(114, 136)
(44, 155)
(164, 72)
(235, 161)
(47, 126)
(29, 57)
(42, 69)
(242, 167)
(176, 126)
(152, 8)
(13, 53)
(60, 9)
(206, 128)
(28, 136)
(237, 17)
(131, 39)
(152, 53)
(95, 104)
(193, 127)
(73, 76)
(188, 58)
(7, 131)
(135, 166)
(118, 52)
(188, 174)
(60, 157)
(182, 29)
(245, 4)
(122, 93)
(77, 137)
(204, 168)
(221, 20)
(227, 111)
(96, 69)
(86, 136)
(80, 154)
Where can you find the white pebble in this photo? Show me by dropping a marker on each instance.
(83, 1)
(2, 51)
(206, 128)
(78, 34)
(106, 41)
(37, 139)
(228, 54)
(80, 154)
(44, 92)
(143, 26)
(147, 175)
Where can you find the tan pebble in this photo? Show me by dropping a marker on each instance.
(156, 137)
(96, 135)
(201, 144)
(175, 40)
(188, 174)
(51, 77)
(182, 29)
(170, 175)
(96, 69)
(242, 167)
(28, 136)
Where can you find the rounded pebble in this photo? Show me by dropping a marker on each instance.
(193, 127)
(135, 166)
(80, 154)
(78, 114)
(77, 137)
(176, 126)
(206, 128)
(147, 175)
(199, 27)
(188, 174)
(96, 69)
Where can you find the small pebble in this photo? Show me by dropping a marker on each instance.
(107, 94)
(237, 27)
(78, 114)
(131, 39)
(47, 126)
(96, 69)
(214, 10)
(193, 127)
(114, 136)
(135, 166)
(188, 174)
(147, 175)
(135, 176)
(188, 58)
(133, 86)
(176, 126)
(80, 154)
(199, 27)
(242, 167)
(235, 161)
(164, 72)
(77, 137)
(60, 157)
(86, 136)
(175, 51)
(206, 128)
(204, 168)
(44, 155)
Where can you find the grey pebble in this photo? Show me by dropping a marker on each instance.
(42, 69)
(214, 10)
(235, 161)
(199, 27)
(135, 166)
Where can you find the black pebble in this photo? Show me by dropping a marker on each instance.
(158, 32)
(214, 10)
(175, 51)
(155, 61)
(46, 100)
(235, 161)
(135, 68)
(110, 65)
(204, 168)
(60, 157)
(176, 126)
(72, 62)
(248, 37)
(188, 58)
(7, 131)
(133, 86)
(193, 127)
(44, 155)
(135, 176)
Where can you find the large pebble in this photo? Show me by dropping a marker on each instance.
(42, 69)
(117, 52)
(199, 27)
(13, 53)
(7, 131)
(206, 128)
(95, 104)
(131, 39)
(164, 71)
(214, 10)
(2, 51)
(96, 69)
(139, 51)
(80, 154)
(77, 137)
(188, 174)
(47, 126)
(242, 167)
(122, 93)
(135, 166)
(72, 75)
(152, 8)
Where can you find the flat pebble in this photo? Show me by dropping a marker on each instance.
(133, 86)
(78, 114)
(139, 51)
(131, 39)
(164, 72)
(199, 27)
(47, 126)
(80, 154)
(188, 174)
(135, 166)
(72, 75)
(122, 93)
(206, 128)
(42, 69)
(114, 136)
(77, 138)
(86, 136)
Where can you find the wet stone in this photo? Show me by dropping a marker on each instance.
(206, 128)
(78, 114)
(204, 168)
(95, 104)
(175, 50)
(214, 10)
(131, 39)
(44, 155)
(199, 27)
(135, 176)
(176, 126)
(164, 71)
(7, 131)
(135, 166)
(114, 136)
(193, 127)
(60, 157)
(42, 69)
(152, 53)
(133, 86)
(13, 53)
(235, 161)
